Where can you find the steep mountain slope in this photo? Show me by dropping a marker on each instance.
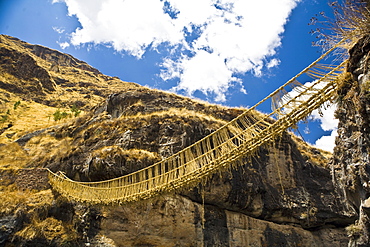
(284, 196)
(44, 80)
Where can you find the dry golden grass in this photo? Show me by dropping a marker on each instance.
(13, 156)
(350, 91)
(175, 112)
(138, 154)
(29, 116)
(131, 154)
(37, 149)
(314, 155)
(5, 41)
(354, 230)
(51, 229)
(13, 200)
(351, 22)
(344, 81)
(35, 205)
(44, 146)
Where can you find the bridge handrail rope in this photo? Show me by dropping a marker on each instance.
(238, 138)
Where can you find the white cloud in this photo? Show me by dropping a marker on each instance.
(327, 142)
(243, 34)
(58, 30)
(129, 25)
(327, 118)
(236, 36)
(193, 12)
(63, 45)
(273, 63)
(205, 72)
(328, 123)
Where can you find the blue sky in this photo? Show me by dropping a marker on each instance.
(230, 52)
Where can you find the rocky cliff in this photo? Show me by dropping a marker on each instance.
(286, 195)
(351, 167)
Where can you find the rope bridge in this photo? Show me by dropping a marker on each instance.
(218, 151)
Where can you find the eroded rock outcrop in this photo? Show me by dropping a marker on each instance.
(178, 221)
(352, 153)
(24, 68)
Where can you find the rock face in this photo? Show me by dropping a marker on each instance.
(57, 59)
(352, 153)
(178, 221)
(24, 67)
(9, 225)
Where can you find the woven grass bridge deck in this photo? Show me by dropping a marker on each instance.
(223, 148)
